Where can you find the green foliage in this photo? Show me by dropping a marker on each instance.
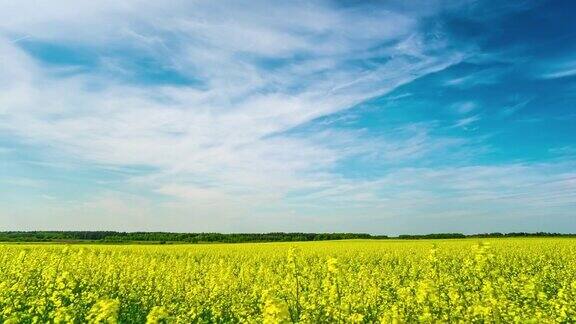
(165, 237)
(119, 237)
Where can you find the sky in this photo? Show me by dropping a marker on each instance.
(384, 117)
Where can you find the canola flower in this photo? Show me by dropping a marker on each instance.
(467, 281)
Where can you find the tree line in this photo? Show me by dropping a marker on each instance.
(110, 236)
(167, 237)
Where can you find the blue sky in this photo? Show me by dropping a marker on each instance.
(246, 116)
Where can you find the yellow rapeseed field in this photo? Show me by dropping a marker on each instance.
(498, 280)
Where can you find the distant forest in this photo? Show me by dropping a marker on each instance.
(164, 237)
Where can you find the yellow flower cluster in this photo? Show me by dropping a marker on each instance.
(496, 280)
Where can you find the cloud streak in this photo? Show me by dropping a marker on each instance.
(228, 130)
(209, 98)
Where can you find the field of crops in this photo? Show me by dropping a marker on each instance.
(500, 280)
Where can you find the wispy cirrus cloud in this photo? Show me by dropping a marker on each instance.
(560, 70)
(222, 112)
(222, 129)
(465, 107)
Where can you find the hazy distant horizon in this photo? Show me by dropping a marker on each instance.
(391, 117)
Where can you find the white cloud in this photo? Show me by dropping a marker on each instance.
(465, 107)
(226, 148)
(566, 68)
(465, 122)
(465, 199)
(228, 131)
(566, 151)
(480, 78)
(517, 105)
(468, 199)
(22, 182)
